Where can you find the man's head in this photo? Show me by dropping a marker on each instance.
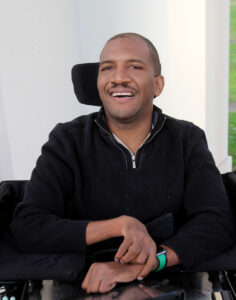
(153, 51)
(129, 77)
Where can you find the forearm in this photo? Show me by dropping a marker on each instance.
(97, 231)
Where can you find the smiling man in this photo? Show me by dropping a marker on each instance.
(111, 173)
(127, 84)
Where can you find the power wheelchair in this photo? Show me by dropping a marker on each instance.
(21, 275)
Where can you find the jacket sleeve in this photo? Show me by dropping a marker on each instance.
(208, 227)
(40, 224)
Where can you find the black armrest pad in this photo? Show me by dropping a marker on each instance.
(19, 266)
(11, 192)
(224, 261)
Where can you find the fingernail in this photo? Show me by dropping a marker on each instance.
(116, 259)
(140, 278)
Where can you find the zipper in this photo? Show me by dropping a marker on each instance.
(133, 155)
(133, 160)
(113, 140)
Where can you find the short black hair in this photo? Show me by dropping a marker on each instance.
(153, 51)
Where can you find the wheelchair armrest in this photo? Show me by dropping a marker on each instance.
(11, 192)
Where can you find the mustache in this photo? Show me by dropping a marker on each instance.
(123, 85)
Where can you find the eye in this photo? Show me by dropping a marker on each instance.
(135, 67)
(106, 68)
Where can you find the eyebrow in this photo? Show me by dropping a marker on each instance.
(129, 60)
(106, 62)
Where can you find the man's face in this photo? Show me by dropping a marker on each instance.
(126, 80)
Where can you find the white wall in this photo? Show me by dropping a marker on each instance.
(42, 40)
(186, 68)
(39, 45)
(198, 69)
(217, 80)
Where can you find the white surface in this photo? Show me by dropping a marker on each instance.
(42, 40)
(217, 77)
(39, 45)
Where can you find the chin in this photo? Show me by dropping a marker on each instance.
(123, 117)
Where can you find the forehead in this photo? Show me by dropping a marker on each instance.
(126, 48)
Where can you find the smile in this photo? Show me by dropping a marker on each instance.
(122, 94)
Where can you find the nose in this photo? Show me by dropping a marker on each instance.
(120, 76)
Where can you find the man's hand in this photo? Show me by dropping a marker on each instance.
(102, 277)
(137, 247)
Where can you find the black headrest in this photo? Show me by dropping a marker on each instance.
(84, 78)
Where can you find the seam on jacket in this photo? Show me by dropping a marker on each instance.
(141, 159)
(120, 150)
(112, 139)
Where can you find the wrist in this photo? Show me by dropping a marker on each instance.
(117, 226)
(123, 221)
(161, 257)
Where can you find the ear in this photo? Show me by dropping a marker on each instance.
(159, 85)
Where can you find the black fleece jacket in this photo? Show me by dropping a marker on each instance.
(84, 174)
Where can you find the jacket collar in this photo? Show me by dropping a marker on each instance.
(158, 120)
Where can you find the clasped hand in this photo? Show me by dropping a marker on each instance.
(137, 247)
(135, 259)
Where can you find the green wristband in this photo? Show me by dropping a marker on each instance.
(162, 262)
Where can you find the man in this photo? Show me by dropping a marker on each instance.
(108, 174)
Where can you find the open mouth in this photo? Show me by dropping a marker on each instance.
(122, 94)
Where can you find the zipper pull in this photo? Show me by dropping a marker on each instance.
(133, 161)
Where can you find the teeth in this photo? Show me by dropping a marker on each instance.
(122, 94)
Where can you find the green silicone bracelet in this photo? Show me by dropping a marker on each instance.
(162, 262)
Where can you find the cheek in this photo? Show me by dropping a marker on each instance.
(102, 82)
(148, 88)
(98, 82)
(100, 85)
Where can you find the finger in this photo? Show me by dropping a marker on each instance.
(132, 253)
(85, 281)
(91, 281)
(141, 258)
(87, 277)
(93, 285)
(150, 265)
(122, 250)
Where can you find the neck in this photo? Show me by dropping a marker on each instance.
(132, 134)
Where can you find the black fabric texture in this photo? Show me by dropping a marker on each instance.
(70, 266)
(83, 174)
(15, 265)
(65, 266)
(227, 259)
(20, 266)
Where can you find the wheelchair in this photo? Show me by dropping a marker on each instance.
(24, 276)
